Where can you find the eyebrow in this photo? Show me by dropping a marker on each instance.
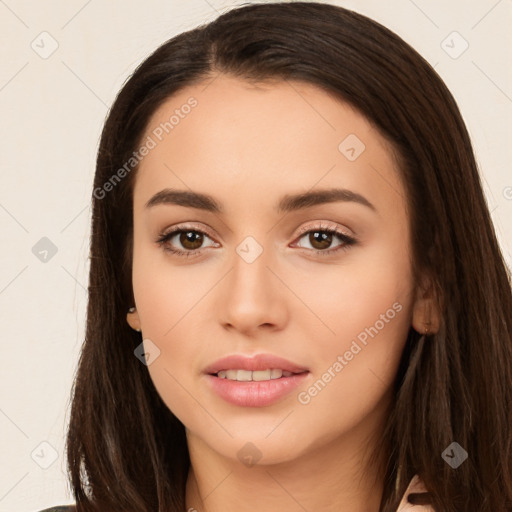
(288, 203)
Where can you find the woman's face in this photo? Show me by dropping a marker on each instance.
(260, 275)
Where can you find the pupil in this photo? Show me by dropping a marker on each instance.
(324, 239)
(191, 237)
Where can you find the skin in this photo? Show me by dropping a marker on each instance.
(290, 301)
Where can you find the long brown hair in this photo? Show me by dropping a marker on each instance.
(127, 451)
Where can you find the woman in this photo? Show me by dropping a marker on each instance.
(297, 299)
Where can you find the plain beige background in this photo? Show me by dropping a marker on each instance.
(62, 65)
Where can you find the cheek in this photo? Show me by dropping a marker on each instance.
(166, 292)
(355, 369)
(371, 286)
(169, 300)
(367, 305)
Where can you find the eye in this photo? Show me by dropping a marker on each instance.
(190, 238)
(322, 236)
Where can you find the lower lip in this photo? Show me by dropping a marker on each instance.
(255, 393)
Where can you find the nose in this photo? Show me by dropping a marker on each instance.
(253, 297)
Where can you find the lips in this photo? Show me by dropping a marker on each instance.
(255, 363)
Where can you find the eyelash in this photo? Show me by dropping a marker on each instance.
(348, 241)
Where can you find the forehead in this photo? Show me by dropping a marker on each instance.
(225, 105)
(228, 133)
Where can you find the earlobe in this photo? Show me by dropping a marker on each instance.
(133, 319)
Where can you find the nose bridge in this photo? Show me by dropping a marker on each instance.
(252, 295)
(250, 274)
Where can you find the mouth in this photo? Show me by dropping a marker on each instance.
(257, 380)
(243, 367)
(241, 375)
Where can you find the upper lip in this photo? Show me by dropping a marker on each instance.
(254, 363)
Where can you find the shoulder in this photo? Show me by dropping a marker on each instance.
(415, 486)
(62, 508)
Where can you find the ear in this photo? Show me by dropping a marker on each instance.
(133, 319)
(425, 315)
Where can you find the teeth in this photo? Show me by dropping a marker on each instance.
(259, 375)
(276, 373)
